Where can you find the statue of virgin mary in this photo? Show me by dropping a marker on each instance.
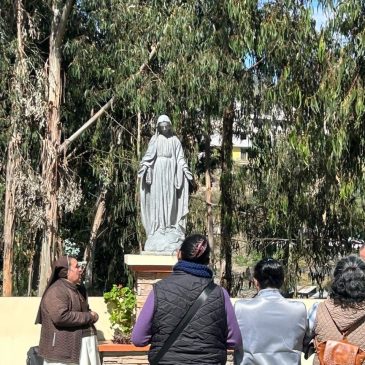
(164, 190)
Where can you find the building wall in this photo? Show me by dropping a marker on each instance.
(240, 155)
(236, 154)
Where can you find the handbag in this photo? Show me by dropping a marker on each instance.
(341, 352)
(33, 357)
(184, 322)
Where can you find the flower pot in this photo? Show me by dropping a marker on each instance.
(108, 346)
(121, 353)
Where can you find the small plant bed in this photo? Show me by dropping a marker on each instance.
(121, 304)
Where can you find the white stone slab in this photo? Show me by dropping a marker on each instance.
(150, 260)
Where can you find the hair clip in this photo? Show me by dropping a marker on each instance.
(200, 248)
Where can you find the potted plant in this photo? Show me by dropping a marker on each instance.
(121, 303)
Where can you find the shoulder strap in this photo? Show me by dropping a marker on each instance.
(184, 322)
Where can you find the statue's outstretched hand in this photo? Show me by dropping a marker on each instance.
(188, 174)
(142, 170)
(146, 172)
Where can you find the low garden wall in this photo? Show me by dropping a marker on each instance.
(18, 331)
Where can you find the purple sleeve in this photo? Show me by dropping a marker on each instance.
(141, 334)
(234, 339)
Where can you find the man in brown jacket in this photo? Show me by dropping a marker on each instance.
(68, 335)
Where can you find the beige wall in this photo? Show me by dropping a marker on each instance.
(18, 331)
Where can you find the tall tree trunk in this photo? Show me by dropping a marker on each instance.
(51, 141)
(137, 197)
(208, 191)
(31, 265)
(9, 217)
(89, 254)
(13, 161)
(226, 198)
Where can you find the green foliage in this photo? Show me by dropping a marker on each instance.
(248, 260)
(306, 166)
(299, 95)
(121, 305)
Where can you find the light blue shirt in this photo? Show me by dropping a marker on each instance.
(272, 329)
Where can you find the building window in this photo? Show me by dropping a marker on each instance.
(244, 155)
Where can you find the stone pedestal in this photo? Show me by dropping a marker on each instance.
(147, 270)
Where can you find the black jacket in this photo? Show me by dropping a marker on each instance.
(203, 341)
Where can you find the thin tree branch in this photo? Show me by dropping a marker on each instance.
(204, 201)
(260, 60)
(61, 28)
(150, 56)
(103, 109)
(85, 126)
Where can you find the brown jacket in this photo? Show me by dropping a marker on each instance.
(65, 318)
(325, 329)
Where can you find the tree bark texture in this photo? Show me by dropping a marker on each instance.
(89, 254)
(226, 198)
(208, 193)
(9, 217)
(13, 163)
(51, 142)
(139, 127)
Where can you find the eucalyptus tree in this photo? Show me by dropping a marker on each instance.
(153, 57)
(24, 90)
(118, 64)
(13, 155)
(306, 169)
(35, 197)
(5, 65)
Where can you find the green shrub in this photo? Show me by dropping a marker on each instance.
(121, 303)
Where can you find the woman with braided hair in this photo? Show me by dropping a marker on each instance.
(212, 329)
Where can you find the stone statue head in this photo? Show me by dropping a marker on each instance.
(164, 126)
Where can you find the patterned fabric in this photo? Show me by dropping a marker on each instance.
(204, 339)
(200, 270)
(59, 270)
(65, 317)
(325, 328)
(88, 356)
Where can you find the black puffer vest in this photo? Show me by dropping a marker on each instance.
(203, 340)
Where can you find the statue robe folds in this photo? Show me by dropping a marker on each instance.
(164, 194)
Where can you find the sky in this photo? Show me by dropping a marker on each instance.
(319, 15)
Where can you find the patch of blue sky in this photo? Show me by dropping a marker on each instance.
(320, 15)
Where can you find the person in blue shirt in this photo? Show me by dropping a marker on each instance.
(272, 327)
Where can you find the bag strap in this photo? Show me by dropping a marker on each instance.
(184, 322)
(350, 329)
